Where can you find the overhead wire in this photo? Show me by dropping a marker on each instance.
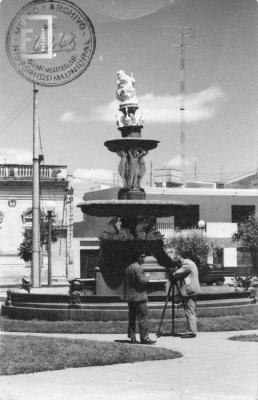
(16, 113)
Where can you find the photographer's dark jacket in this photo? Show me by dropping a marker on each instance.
(189, 280)
(136, 283)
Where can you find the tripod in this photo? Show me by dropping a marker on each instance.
(171, 290)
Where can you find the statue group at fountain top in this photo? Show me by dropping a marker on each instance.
(126, 118)
(142, 228)
(126, 89)
(127, 95)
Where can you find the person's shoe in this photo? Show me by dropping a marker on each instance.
(188, 335)
(148, 341)
(133, 340)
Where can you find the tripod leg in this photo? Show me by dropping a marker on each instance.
(164, 309)
(173, 308)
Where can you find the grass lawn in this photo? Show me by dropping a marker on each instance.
(226, 323)
(27, 354)
(245, 338)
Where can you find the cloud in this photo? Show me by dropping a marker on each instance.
(176, 163)
(93, 174)
(71, 117)
(68, 116)
(160, 109)
(11, 155)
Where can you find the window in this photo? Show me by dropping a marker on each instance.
(241, 213)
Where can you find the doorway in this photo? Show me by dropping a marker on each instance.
(88, 262)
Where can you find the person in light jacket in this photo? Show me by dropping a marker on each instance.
(187, 275)
(136, 295)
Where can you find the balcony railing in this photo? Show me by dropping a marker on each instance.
(25, 171)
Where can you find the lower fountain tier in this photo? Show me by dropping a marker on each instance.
(128, 143)
(130, 208)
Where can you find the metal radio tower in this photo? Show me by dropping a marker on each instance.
(185, 32)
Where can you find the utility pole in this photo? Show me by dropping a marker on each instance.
(185, 32)
(221, 173)
(70, 224)
(195, 170)
(35, 195)
(49, 251)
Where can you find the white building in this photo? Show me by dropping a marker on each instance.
(16, 216)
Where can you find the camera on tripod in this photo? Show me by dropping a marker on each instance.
(176, 296)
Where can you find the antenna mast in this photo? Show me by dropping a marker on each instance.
(185, 32)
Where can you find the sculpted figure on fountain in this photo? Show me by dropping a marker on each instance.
(125, 88)
(123, 167)
(111, 229)
(142, 167)
(140, 228)
(136, 167)
(127, 118)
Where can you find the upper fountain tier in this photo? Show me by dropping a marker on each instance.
(125, 144)
(128, 119)
(132, 149)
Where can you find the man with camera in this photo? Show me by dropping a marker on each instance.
(187, 275)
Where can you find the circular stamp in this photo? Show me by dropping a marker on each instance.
(50, 42)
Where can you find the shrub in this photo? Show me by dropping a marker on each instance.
(25, 248)
(247, 235)
(193, 244)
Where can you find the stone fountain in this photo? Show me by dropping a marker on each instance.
(132, 226)
(133, 217)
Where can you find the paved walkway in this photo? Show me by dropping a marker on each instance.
(213, 368)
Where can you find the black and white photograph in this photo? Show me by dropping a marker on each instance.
(128, 199)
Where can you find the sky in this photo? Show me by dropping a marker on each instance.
(139, 36)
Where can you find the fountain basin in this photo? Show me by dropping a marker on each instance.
(128, 143)
(130, 208)
(100, 308)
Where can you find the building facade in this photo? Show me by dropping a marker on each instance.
(221, 209)
(16, 216)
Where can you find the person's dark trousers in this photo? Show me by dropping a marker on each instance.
(138, 310)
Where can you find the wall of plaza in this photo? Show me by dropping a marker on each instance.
(221, 209)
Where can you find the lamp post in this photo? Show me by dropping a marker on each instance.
(202, 225)
(50, 208)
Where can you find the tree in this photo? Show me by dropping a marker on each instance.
(193, 244)
(247, 236)
(25, 248)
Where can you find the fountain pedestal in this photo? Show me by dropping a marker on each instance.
(157, 286)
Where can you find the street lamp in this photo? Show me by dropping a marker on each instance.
(202, 225)
(50, 209)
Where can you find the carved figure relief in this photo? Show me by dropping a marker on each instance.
(111, 229)
(140, 228)
(123, 167)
